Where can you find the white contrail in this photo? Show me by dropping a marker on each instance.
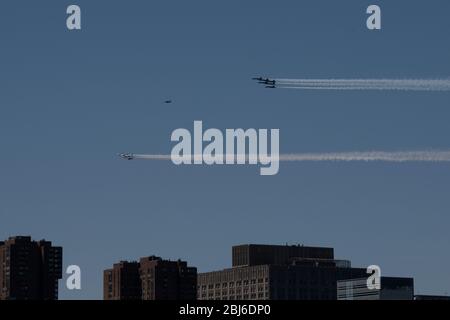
(384, 156)
(365, 84)
(369, 156)
(152, 156)
(335, 88)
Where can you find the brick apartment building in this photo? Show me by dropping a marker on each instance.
(152, 278)
(29, 270)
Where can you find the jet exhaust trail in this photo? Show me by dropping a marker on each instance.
(360, 84)
(369, 156)
(364, 84)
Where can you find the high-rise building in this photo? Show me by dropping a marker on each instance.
(152, 278)
(167, 280)
(265, 272)
(122, 282)
(29, 270)
(391, 288)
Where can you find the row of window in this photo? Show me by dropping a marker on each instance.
(253, 296)
(233, 284)
(238, 290)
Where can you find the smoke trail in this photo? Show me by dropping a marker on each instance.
(152, 156)
(365, 84)
(334, 88)
(369, 156)
(383, 156)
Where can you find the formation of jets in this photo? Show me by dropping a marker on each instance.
(126, 156)
(269, 83)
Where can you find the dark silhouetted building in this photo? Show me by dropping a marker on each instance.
(255, 254)
(152, 278)
(266, 272)
(431, 297)
(391, 288)
(122, 282)
(29, 270)
(167, 280)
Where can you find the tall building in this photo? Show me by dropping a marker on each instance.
(265, 272)
(152, 278)
(29, 270)
(167, 280)
(391, 288)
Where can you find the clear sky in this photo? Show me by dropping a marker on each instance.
(69, 101)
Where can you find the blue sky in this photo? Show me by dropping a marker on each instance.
(69, 101)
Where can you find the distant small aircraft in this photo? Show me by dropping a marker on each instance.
(271, 87)
(126, 156)
(167, 101)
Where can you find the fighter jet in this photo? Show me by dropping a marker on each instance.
(168, 101)
(265, 81)
(126, 156)
(269, 82)
(271, 87)
(258, 79)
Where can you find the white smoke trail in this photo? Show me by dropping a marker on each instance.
(335, 88)
(365, 84)
(383, 156)
(152, 156)
(369, 156)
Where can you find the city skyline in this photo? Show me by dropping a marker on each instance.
(30, 270)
